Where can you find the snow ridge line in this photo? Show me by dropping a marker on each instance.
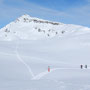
(22, 61)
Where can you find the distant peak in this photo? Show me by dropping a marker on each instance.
(25, 16)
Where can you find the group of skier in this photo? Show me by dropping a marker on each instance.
(81, 66)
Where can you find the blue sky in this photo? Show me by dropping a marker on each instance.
(66, 11)
(59, 4)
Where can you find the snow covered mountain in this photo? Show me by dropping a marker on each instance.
(24, 64)
(29, 28)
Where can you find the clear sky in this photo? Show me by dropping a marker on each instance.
(66, 11)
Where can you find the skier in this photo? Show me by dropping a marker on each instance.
(81, 66)
(86, 66)
(48, 68)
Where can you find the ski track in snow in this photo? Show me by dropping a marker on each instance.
(40, 75)
(22, 61)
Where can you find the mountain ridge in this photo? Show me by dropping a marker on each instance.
(31, 28)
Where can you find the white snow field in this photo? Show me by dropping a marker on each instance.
(26, 55)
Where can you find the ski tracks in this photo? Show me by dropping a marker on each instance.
(22, 61)
(40, 75)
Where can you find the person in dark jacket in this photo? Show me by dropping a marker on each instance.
(86, 66)
(81, 66)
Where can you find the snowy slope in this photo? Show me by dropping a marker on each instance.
(24, 64)
(29, 28)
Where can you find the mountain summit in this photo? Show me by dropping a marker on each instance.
(31, 28)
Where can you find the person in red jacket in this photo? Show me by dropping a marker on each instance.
(48, 68)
